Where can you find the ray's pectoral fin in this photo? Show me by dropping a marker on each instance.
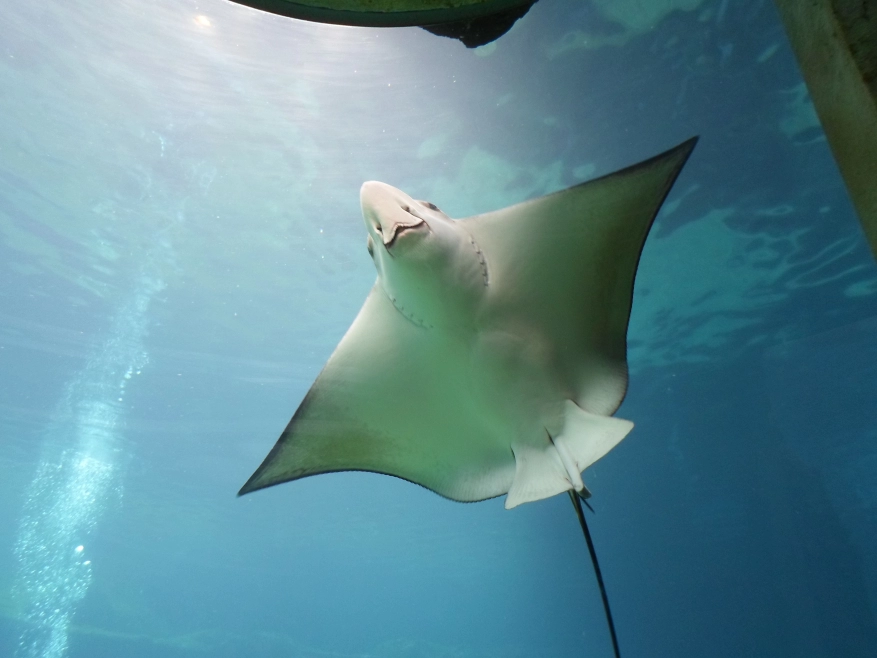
(545, 470)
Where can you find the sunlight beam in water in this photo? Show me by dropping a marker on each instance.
(77, 476)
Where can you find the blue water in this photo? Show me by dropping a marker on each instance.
(181, 249)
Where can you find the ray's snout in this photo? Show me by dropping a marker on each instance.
(387, 212)
(370, 192)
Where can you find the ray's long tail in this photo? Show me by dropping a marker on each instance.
(577, 504)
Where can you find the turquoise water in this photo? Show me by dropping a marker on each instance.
(182, 249)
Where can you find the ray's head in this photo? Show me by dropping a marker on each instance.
(397, 224)
(427, 263)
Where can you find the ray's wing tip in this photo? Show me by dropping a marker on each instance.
(675, 157)
(251, 485)
(691, 142)
(684, 149)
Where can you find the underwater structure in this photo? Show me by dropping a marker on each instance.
(835, 42)
(474, 22)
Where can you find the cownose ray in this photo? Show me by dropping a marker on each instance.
(490, 354)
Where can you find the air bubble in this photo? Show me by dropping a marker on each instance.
(68, 494)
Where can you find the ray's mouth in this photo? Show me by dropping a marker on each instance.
(399, 228)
